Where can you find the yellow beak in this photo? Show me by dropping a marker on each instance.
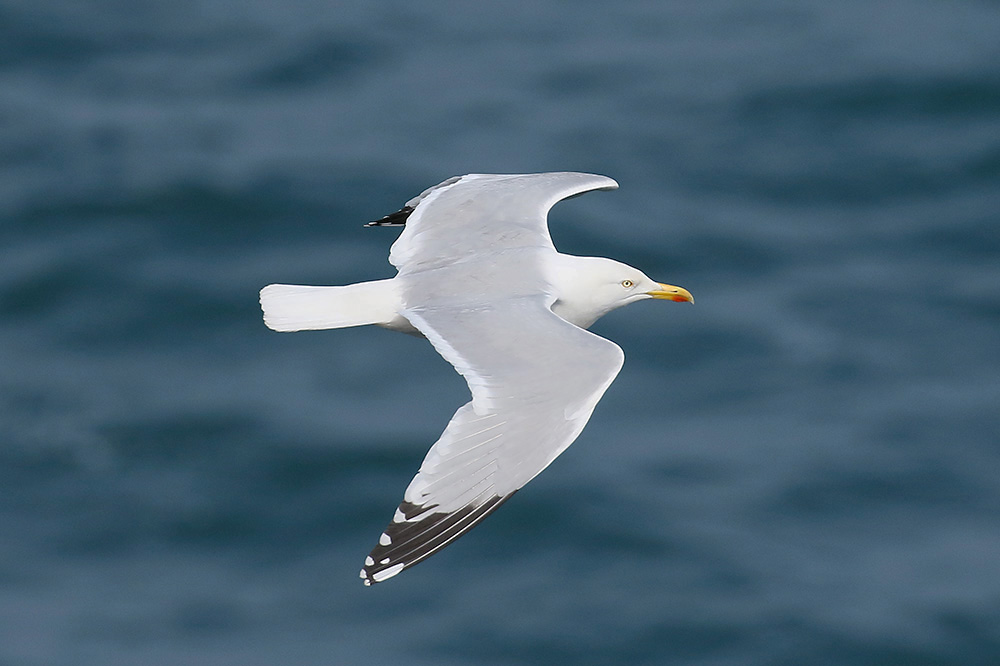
(671, 293)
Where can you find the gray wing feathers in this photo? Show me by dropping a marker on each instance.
(534, 384)
(470, 215)
(541, 375)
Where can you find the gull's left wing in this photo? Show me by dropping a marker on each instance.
(535, 380)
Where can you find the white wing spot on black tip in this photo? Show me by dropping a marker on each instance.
(380, 576)
(384, 560)
(385, 540)
(368, 562)
(399, 517)
(397, 219)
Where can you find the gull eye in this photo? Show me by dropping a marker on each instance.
(628, 284)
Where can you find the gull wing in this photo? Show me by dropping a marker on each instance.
(466, 216)
(535, 380)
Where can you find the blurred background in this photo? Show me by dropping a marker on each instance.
(800, 469)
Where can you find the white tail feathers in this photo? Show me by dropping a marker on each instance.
(289, 307)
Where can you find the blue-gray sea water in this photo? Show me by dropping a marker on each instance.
(803, 468)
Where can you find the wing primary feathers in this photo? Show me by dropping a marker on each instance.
(397, 219)
(396, 553)
(400, 539)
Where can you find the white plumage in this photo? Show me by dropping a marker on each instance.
(480, 279)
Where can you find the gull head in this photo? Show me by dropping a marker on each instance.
(587, 288)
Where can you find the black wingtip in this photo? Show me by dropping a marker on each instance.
(397, 219)
(404, 544)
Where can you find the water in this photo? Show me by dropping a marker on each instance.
(801, 469)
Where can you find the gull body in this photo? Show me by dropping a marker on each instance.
(583, 290)
(478, 276)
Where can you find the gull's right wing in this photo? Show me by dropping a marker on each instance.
(469, 216)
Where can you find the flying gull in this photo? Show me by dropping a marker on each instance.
(479, 277)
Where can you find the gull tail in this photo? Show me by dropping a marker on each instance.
(289, 307)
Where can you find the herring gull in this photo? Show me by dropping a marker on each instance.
(479, 277)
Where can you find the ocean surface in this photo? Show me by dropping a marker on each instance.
(801, 469)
